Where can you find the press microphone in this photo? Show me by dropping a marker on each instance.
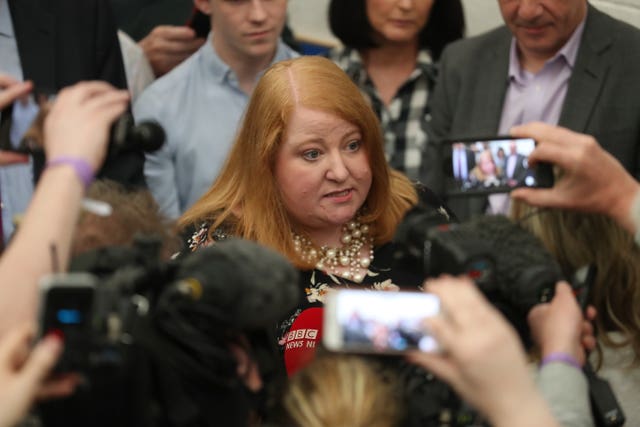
(246, 284)
(232, 291)
(303, 339)
(147, 136)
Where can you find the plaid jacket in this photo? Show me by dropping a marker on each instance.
(403, 121)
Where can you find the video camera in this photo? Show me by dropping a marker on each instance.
(22, 123)
(513, 270)
(154, 339)
(509, 265)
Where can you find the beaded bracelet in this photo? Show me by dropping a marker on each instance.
(562, 358)
(83, 169)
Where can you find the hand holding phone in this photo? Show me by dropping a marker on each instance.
(364, 321)
(492, 165)
(21, 123)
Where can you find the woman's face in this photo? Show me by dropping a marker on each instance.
(398, 21)
(486, 163)
(322, 170)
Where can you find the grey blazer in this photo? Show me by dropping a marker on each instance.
(603, 97)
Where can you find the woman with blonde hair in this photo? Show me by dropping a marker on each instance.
(577, 239)
(486, 173)
(341, 390)
(307, 176)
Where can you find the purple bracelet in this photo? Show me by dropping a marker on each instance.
(82, 168)
(562, 358)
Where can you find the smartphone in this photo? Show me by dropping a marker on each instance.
(492, 165)
(365, 321)
(200, 23)
(66, 307)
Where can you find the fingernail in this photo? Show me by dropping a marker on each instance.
(53, 342)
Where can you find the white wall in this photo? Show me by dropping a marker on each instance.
(308, 18)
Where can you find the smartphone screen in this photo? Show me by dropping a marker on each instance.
(492, 165)
(65, 310)
(378, 321)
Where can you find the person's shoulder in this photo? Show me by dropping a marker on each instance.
(163, 92)
(348, 59)
(198, 236)
(284, 51)
(604, 33)
(176, 80)
(599, 21)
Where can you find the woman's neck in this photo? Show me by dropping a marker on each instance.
(389, 67)
(326, 237)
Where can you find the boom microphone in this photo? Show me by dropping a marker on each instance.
(182, 328)
(252, 284)
(524, 271)
(509, 264)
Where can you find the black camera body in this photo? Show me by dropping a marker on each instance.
(509, 265)
(512, 269)
(157, 340)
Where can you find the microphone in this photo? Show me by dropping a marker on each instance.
(146, 136)
(232, 291)
(303, 339)
(524, 270)
(242, 284)
(509, 265)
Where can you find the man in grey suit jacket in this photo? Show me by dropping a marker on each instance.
(514, 74)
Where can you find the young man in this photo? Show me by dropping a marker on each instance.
(557, 61)
(201, 101)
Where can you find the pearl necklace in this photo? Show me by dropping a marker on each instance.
(354, 237)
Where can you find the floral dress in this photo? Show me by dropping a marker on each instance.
(300, 333)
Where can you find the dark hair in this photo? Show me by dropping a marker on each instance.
(349, 23)
(134, 212)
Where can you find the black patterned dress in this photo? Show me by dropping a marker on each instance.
(300, 333)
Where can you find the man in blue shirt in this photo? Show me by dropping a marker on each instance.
(200, 102)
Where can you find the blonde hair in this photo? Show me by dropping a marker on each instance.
(477, 170)
(245, 197)
(576, 239)
(340, 390)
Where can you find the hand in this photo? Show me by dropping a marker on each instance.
(592, 179)
(559, 326)
(483, 359)
(12, 89)
(79, 121)
(166, 46)
(23, 374)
